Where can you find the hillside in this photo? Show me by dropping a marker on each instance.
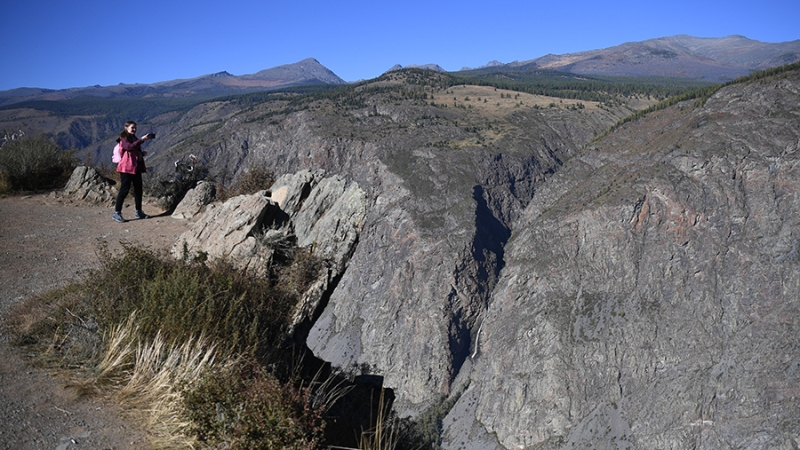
(649, 297)
(91, 125)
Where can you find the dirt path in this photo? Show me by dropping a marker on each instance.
(45, 242)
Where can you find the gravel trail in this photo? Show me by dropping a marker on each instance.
(47, 241)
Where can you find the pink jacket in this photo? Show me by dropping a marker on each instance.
(132, 158)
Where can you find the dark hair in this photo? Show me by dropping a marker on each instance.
(125, 134)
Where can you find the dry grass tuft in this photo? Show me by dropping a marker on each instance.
(385, 434)
(148, 377)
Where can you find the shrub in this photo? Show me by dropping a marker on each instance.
(246, 407)
(34, 163)
(302, 269)
(254, 180)
(182, 299)
(197, 350)
(135, 322)
(53, 327)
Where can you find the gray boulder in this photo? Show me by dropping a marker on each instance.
(229, 231)
(195, 200)
(88, 185)
(290, 190)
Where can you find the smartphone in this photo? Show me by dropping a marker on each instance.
(151, 135)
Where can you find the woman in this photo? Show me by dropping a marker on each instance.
(130, 168)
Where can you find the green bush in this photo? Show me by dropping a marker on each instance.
(246, 407)
(182, 299)
(34, 163)
(254, 180)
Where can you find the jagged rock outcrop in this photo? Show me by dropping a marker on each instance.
(325, 214)
(87, 184)
(195, 200)
(230, 231)
(651, 293)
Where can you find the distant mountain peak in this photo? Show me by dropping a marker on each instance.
(492, 63)
(307, 70)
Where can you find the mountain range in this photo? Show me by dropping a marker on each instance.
(706, 59)
(709, 59)
(307, 71)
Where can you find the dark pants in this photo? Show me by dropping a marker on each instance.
(127, 180)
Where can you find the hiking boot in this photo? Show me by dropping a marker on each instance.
(141, 215)
(118, 217)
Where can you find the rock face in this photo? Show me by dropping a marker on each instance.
(651, 293)
(639, 292)
(87, 184)
(229, 231)
(325, 214)
(195, 200)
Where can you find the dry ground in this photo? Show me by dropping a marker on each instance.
(45, 242)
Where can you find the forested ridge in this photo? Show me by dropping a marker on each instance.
(700, 95)
(547, 83)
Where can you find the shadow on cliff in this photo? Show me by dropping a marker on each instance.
(480, 275)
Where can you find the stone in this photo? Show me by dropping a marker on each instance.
(329, 222)
(195, 200)
(326, 218)
(88, 185)
(290, 190)
(229, 231)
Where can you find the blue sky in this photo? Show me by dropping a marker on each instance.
(59, 44)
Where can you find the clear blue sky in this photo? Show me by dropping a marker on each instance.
(58, 44)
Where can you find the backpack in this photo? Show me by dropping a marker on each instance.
(117, 156)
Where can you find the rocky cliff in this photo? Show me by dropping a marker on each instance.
(651, 292)
(641, 291)
(442, 186)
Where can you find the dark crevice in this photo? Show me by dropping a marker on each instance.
(491, 236)
(303, 328)
(488, 259)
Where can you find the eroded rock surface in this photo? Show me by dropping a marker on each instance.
(195, 200)
(651, 294)
(324, 214)
(228, 231)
